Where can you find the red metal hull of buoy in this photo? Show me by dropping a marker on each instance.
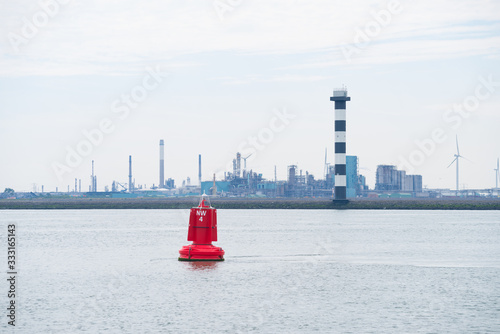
(202, 231)
(201, 253)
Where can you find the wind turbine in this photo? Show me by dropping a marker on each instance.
(245, 161)
(325, 169)
(457, 159)
(497, 173)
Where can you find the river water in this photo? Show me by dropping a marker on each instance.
(286, 271)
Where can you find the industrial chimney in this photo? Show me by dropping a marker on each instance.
(130, 184)
(199, 168)
(93, 180)
(162, 165)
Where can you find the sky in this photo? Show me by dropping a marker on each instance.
(102, 80)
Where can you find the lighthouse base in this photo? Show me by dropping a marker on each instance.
(201, 253)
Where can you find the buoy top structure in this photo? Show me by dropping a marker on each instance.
(202, 232)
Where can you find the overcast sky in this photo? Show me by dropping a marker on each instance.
(217, 77)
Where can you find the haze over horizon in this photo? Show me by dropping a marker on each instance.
(218, 77)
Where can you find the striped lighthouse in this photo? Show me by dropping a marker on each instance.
(340, 98)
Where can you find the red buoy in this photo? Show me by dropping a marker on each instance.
(202, 231)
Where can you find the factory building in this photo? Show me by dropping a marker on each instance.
(352, 178)
(170, 184)
(413, 183)
(221, 187)
(362, 187)
(301, 184)
(388, 178)
(384, 178)
(355, 183)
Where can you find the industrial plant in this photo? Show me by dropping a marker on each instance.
(390, 179)
(340, 180)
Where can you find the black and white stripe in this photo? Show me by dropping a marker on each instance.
(340, 98)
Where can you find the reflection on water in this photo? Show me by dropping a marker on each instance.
(201, 265)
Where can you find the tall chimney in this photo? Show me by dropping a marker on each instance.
(93, 179)
(130, 185)
(199, 168)
(162, 165)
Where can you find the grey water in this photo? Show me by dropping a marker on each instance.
(286, 271)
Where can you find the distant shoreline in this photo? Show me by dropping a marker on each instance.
(249, 203)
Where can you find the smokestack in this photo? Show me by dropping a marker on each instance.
(93, 183)
(199, 168)
(275, 183)
(130, 185)
(162, 165)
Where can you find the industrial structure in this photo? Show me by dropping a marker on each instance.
(340, 98)
(341, 179)
(130, 184)
(497, 173)
(93, 180)
(297, 184)
(199, 169)
(388, 178)
(161, 184)
(456, 161)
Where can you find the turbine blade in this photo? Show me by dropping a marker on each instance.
(460, 156)
(452, 163)
(456, 138)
